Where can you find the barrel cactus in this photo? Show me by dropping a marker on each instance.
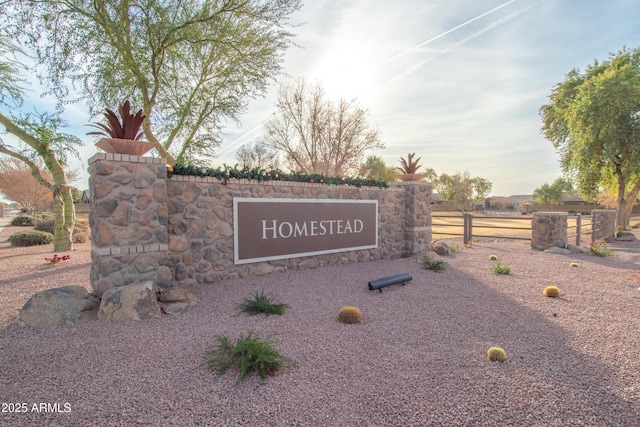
(496, 354)
(493, 258)
(350, 314)
(551, 291)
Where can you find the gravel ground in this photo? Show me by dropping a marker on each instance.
(417, 359)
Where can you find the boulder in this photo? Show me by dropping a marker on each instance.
(432, 256)
(557, 250)
(441, 248)
(577, 249)
(135, 301)
(56, 307)
(177, 300)
(625, 236)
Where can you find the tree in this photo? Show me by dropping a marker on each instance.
(593, 121)
(462, 187)
(552, 194)
(317, 135)
(38, 138)
(18, 184)
(190, 63)
(375, 167)
(258, 155)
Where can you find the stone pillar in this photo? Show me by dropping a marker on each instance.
(417, 217)
(549, 229)
(128, 219)
(1, 210)
(603, 224)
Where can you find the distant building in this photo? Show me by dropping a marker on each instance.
(85, 196)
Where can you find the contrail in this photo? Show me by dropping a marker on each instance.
(457, 27)
(229, 147)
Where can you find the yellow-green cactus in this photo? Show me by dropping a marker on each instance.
(497, 354)
(493, 258)
(350, 315)
(551, 291)
(573, 264)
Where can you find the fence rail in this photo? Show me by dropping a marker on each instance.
(467, 226)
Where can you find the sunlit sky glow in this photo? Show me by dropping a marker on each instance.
(458, 82)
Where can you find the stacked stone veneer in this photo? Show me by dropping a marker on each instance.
(603, 224)
(548, 229)
(178, 231)
(128, 219)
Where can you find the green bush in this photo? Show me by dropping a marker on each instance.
(81, 231)
(261, 303)
(249, 354)
(30, 238)
(501, 269)
(22, 220)
(436, 265)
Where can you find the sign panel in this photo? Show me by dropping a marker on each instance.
(269, 229)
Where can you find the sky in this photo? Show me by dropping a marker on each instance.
(458, 82)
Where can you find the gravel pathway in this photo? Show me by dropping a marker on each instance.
(418, 358)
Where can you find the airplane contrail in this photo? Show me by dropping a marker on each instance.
(229, 147)
(457, 27)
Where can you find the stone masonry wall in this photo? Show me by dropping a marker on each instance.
(128, 220)
(603, 224)
(178, 231)
(548, 229)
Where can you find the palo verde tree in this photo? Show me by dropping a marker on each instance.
(191, 64)
(319, 135)
(593, 121)
(38, 137)
(461, 187)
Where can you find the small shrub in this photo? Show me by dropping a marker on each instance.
(261, 303)
(81, 231)
(551, 291)
(573, 264)
(600, 249)
(501, 269)
(493, 258)
(496, 354)
(30, 238)
(250, 355)
(350, 315)
(455, 248)
(436, 265)
(22, 221)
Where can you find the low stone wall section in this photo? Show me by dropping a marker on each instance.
(548, 229)
(178, 231)
(603, 224)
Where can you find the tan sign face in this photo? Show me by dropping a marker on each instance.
(268, 229)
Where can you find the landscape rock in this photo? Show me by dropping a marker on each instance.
(175, 307)
(441, 248)
(178, 295)
(135, 301)
(557, 250)
(56, 307)
(577, 249)
(625, 236)
(432, 256)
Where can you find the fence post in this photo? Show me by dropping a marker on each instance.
(468, 228)
(578, 228)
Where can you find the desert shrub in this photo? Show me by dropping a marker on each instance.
(22, 221)
(501, 269)
(436, 265)
(600, 249)
(496, 354)
(81, 231)
(551, 291)
(249, 354)
(455, 248)
(350, 315)
(261, 303)
(30, 238)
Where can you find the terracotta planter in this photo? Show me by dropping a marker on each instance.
(411, 176)
(124, 146)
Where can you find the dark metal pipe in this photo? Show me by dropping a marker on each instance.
(388, 281)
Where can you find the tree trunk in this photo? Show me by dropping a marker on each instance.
(65, 210)
(625, 204)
